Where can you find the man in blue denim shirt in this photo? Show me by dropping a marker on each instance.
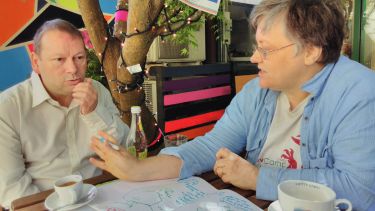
(333, 142)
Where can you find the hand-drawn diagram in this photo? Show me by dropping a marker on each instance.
(189, 194)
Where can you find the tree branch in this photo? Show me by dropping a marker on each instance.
(97, 29)
(170, 28)
(163, 18)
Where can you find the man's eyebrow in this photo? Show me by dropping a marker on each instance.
(80, 53)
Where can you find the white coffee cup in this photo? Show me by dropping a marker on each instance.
(68, 189)
(299, 195)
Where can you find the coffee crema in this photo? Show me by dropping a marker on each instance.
(67, 184)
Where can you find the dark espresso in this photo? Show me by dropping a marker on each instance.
(67, 184)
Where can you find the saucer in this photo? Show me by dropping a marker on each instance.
(52, 202)
(275, 206)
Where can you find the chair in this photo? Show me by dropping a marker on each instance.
(190, 99)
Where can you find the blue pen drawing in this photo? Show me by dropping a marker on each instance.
(188, 194)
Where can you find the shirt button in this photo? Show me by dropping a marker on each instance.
(303, 144)
(306, 118)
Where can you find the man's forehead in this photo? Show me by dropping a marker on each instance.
(52, 38)
(58, 34)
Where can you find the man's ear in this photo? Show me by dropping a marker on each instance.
(312, 54)
(35, 62)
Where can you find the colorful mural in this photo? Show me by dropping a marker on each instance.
(19, 19)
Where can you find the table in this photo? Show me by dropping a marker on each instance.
(36, 201)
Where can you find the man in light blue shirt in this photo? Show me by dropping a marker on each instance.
(333, 143)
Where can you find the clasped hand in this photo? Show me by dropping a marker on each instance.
(233, 169)
(86, 95)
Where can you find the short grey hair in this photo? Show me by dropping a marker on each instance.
(308, 22)
(268, 11)
(55, 24)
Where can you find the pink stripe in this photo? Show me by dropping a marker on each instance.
(195, 95)
(121, 15)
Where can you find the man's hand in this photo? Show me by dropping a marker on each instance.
(233, 169)
(120, 164)
(86, 95)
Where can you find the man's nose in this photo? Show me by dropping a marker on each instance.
(70, 66)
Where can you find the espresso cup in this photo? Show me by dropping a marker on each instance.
(68, 189)
(299, 195)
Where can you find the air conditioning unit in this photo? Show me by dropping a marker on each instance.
(167, 51)
(149, 87)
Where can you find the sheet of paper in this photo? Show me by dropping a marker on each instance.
(209, 6)
(248, 1)
(193, 193)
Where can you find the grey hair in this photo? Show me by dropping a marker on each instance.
(268, 11)
(55, 24)
(307, 22)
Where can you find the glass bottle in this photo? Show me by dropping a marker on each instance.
(136, 142)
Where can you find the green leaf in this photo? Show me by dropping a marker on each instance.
(185, 34)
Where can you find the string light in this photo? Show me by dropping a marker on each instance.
(137, 84)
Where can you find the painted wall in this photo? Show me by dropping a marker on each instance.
(19, 19)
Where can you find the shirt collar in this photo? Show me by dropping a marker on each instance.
(316, 84)
(40, 94)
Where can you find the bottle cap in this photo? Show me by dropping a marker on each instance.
(136, 109)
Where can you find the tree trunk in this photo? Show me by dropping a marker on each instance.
(139, 35)
(129, 46)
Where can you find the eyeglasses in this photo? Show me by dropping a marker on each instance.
(264, 53)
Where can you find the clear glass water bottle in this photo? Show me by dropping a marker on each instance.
(136, 142)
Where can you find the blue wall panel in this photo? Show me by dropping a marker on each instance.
(108, 6)
(14, 67)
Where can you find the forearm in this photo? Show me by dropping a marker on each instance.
(158, 167)
(12, 189)
(106, 116)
